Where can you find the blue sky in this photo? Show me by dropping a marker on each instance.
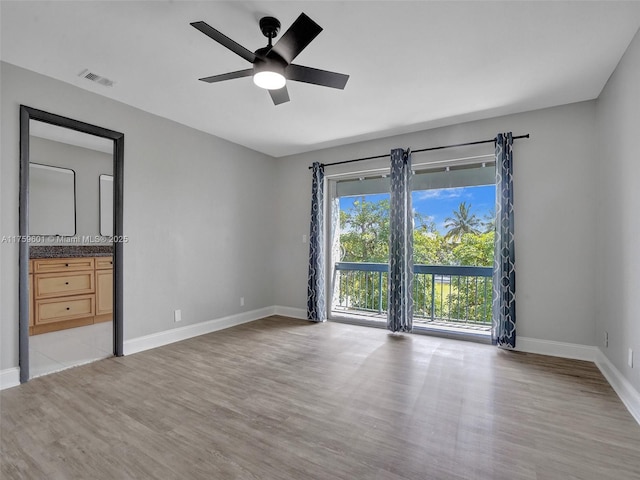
(439, 204)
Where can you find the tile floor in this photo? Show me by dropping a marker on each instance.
(55, 351)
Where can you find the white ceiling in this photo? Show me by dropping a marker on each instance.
(413, 65)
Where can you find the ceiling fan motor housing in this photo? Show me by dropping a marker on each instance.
(272, 63)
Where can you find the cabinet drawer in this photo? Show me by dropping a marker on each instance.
(56, 309)
(58, 284)
(103, 263)
(46, 265)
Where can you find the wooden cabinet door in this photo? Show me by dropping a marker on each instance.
(104, 292)
(31, 305)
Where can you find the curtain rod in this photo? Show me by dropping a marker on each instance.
(492, 140)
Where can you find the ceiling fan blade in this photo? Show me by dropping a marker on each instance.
(316, 76)
(294, 40)
(279, 96)
(225, 41)
(228, 76)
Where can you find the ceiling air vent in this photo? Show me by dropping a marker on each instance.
(94, 77)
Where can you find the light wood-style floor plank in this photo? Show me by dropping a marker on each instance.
(286, 399)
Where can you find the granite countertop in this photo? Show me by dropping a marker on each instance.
(70, 251)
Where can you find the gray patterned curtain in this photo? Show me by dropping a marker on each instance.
(504, 270)
(400, 310)
(316, 303)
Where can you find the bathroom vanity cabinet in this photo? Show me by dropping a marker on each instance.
(70, 292)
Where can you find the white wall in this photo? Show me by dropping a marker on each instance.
(198, 211)
(618, 266)
(555, 201)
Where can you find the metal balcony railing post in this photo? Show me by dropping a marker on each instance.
(433, 296)
(380, 293)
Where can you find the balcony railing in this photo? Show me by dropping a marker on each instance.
(441, 293)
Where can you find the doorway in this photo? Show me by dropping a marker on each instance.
(70, 272)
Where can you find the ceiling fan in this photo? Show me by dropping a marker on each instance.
(272, 65)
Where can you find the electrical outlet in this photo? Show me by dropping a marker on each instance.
(606, 339)
(177, 315)
(304, 239)
(630, 359)
(242, 301)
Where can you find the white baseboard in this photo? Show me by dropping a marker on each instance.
(556, 349)
(166, 337)
(627, 393)
(9, 377)
(292, 312)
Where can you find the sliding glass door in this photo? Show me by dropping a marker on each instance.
(453, 248)
(360, 249)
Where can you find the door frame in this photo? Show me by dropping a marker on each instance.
(27, 114)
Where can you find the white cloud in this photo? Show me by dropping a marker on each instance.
(440, 194)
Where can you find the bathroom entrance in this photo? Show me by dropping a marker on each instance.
(70, 263)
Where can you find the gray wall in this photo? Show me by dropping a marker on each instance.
(198, 212)
(88, 166)
(618, 232)
(555, 201)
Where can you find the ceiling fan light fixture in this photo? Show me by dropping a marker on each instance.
(269, 80)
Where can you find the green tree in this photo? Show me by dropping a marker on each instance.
(424, 223)
(365, 238)
(365, 231)
(431, 248)
(472, 299)
(475, 249)
(463, 221)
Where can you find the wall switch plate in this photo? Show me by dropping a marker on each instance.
(630, 359)
(606, 339)
(177, 315)
(242, 301)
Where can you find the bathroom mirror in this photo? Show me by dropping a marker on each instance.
(106, 205)
(52, 200)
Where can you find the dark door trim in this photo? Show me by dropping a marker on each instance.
(26, 114)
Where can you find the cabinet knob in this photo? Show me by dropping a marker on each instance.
(66, 283)
(68, 308)
(66, 264)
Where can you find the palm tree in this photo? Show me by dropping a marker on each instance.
(462, 222)
(489, 221)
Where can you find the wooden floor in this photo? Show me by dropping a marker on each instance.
(286, 399)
